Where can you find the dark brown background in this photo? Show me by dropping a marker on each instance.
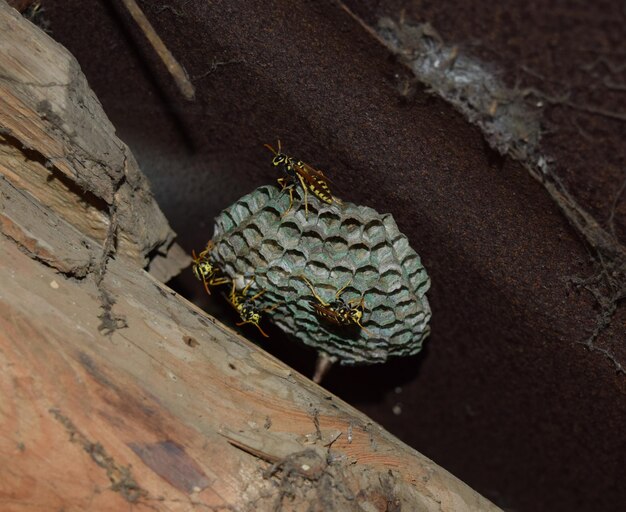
(504, 395)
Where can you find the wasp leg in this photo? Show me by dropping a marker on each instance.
(369, 333)
(256, 296)
(272, 308)
(321, 301)
(281, 182)
(217, 281)
(290, 199)
(306, 199)
(290, 202)
(233, 293)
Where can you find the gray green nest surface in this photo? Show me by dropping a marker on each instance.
(334, 245)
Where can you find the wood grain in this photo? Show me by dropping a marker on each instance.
(142, 417)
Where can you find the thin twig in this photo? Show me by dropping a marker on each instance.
(175, 69)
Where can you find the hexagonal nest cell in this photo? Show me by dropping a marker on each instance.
(334, 246)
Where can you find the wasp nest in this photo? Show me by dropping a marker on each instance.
(333, 246)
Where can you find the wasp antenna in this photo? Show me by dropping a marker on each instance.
(257, 295)
(247, 287)
(341, 290)
(257, 326)
(290, 198)
(193, 255)
(206, 286)
(220, 281)
(261, 330)
(272, 308)
(270, 148)
(279, 149)
(301, 276)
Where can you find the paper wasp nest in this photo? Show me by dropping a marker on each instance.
(335, 244)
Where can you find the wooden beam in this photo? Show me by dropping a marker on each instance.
(125, 393)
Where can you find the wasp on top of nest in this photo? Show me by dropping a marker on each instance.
(298, 172)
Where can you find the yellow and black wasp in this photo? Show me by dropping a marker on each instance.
(296, 171)
(338, 311)
(206, 270)
(249, 313)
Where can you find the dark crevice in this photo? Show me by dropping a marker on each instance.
(85, 196)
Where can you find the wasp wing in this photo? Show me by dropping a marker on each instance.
(317, 182)
(328, 314)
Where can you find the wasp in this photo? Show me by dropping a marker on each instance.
(296, 171)
(249, 313)
(206, 270)
(339, 311)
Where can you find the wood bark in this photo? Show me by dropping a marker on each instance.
(118, 394)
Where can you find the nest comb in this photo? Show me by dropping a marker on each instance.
(333, 245)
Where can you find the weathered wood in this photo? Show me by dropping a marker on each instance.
(58, 144)
(171, 410)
